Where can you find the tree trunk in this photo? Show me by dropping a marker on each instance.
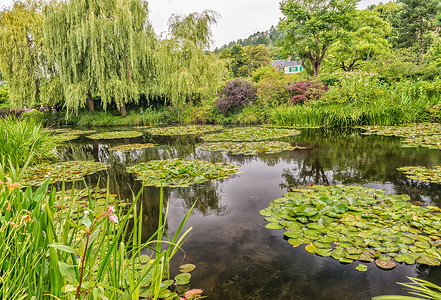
(123, 110)
(90, 104)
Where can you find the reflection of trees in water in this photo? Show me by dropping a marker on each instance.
(351, 158)
(207, 195)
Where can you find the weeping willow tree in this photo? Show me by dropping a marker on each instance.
(187, 73)
(31, 77)
(101, 47)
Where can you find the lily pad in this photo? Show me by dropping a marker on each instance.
(187, 268)
(178, 172)
(361, 268)
(131, 147)
(385, 264)
(68, 171)
(182, 278)
(249, 148)
(423, 174)
(383, 227)
(184, 130)
(115, 135)
(250, 134)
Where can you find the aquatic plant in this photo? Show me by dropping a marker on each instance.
(181, 173)
(183, 130)
(409, 130)
(250, 134)
(61, 171)
(423, 289)
(115, 135)
(432, 175)
(352, 223)
(20, 138)
(249, 148)
(131, 147)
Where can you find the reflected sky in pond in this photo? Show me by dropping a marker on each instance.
(236, 256)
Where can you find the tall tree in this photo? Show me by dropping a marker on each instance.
(312, 26)
(411, 24)
(23, 64)
(102, 47)
(187, 72)
(254, 57)
(367, 41)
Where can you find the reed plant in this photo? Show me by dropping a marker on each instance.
(421, 289)
(21, 137)
(53, 247)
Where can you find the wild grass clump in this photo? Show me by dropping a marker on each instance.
(21, 137)
(76, 251)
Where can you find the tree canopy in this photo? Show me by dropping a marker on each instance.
(366, 41)
(312, 26)
(100, 47)
(23, 63)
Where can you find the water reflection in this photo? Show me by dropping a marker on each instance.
(237, 257)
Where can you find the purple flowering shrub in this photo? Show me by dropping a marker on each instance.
(235, 96)
(302, 91)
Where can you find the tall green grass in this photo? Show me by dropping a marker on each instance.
(76, 251)
(21, 137)
(143, 117)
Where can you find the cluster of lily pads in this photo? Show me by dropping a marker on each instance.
(249, 148)
(417, 135)
(184, 130)
(250, 134)
(67, 171)
(77, 200)
(115, 135)
(423, 174)
(131, 147)
(178, 172)
(351, 223)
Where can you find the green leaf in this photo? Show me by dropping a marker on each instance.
(182, 278)
(63, 248)
(67, 271)
(361, 268)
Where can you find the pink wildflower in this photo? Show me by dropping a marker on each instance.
(114, 219)
(193, 293)
(110, 209)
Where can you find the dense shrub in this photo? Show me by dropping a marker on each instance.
(302, 91)
(4, 94)
(272, 92)
(235, 96)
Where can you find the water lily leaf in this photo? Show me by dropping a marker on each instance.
(179, 172)
(248, 148)
(187, 268)
(183, 130)
(311, 248)
(274, 226)
(361, 268)
(297, 242)
(182, 278)
(250, 134)
(428, 260)
(115, 135)
(293, 234)
(323, 252)
(366, 256)
(405, 258)
(131, 147)
(385, 264)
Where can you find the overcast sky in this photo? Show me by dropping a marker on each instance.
(239, 18)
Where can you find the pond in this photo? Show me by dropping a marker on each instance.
(236, 256)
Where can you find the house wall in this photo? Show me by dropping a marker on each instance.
(293, 69)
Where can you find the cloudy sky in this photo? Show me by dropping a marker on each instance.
(239, 18)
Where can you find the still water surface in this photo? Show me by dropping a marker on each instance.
(235, 255)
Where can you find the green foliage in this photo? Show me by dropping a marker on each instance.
(66, 171)
(248, 148)
(107, 119)
(132, 147)
(311, 28)
(100, 47)
(181, 173)
(271, 87)
(250, 134)
(253, 57)
(22, 138)
(187, 73)
(183, 130)
(4, 94)
(352, 223)
(423, 289)
(115, 135)
(366, 40)
(23, 63)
